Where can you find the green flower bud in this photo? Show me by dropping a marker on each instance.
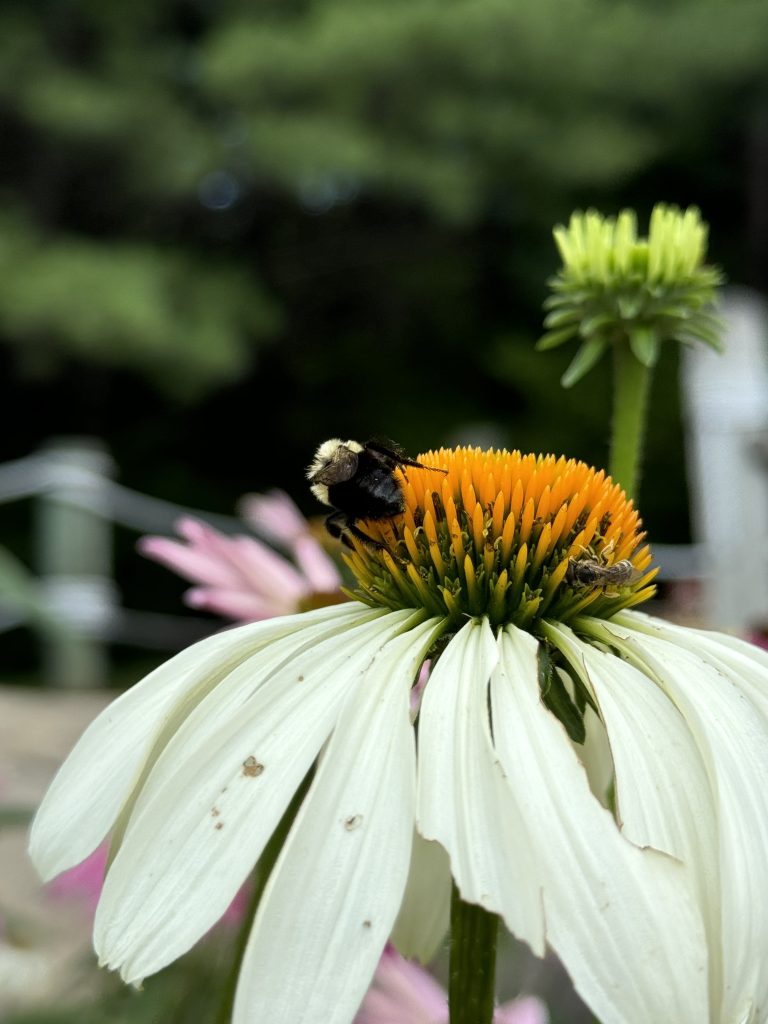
(616, 288)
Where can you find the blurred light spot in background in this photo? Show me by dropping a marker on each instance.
(320, 193)
(219, 190)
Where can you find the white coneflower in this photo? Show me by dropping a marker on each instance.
(514, 574)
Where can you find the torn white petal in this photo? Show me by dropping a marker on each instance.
(94, 782)
(461, 802)
(216, 794)
(424, 915)
(623, 920)
(335, 891)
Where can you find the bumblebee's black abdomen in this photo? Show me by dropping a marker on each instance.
(373, 493)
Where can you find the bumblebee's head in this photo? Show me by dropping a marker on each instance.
(335, 462)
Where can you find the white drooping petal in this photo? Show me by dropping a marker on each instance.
(97, 778)
(462, 801)
(731, 734)
(335, 891)
(424, 915)
(663, 796)
(746, 665)
(595, 755)
(219, 789)
(623, 920)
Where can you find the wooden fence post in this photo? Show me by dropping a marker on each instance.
(74, 544)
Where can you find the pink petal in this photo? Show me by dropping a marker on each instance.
(402, 993)
(418, 687)
(232, 563)
(237, 909)
(195, 531)
(207, 539)
(525, 1010)
(84, 881)
(236, 604)
(318, 567)
(190, 563)
(405, 993)
(275, 516)
(265, 572)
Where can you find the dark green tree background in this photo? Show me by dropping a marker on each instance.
(229, 229)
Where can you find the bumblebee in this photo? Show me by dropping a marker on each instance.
(358, 482)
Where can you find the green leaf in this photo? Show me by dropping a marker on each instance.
(589, 354)
(554, 338)
(556, 300)
(693, 332)
(592, 324)
(645, 345)
(711, 320)
(561, 317)
(673, 312)
(630, 305)
(556, 698)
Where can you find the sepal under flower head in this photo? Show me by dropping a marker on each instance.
(614, 287)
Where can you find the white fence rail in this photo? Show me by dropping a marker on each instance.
(76, 504)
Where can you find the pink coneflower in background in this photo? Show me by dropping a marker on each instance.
(241, 578)
(84, 881)
(404, 993)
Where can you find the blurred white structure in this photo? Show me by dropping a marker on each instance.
(725, 401)
(73, 601)
(74, 545)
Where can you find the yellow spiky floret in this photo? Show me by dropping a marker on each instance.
(494, 535)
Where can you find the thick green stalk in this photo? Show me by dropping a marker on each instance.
(632, 383)
(260, 879)
(473, 962)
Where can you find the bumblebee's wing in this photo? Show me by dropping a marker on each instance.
(390, 453)
(338, 470)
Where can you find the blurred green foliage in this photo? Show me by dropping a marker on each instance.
(133, 304)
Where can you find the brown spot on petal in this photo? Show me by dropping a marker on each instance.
(352, 822)
(219, 824)
(366, 924)
(215, 812)
(252, 768)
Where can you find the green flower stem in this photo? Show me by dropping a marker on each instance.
(473, 962)
(632, 383)
(260, 879)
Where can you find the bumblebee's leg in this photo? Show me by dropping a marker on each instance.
(341, 526)
(608, 549)
(336, 525)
